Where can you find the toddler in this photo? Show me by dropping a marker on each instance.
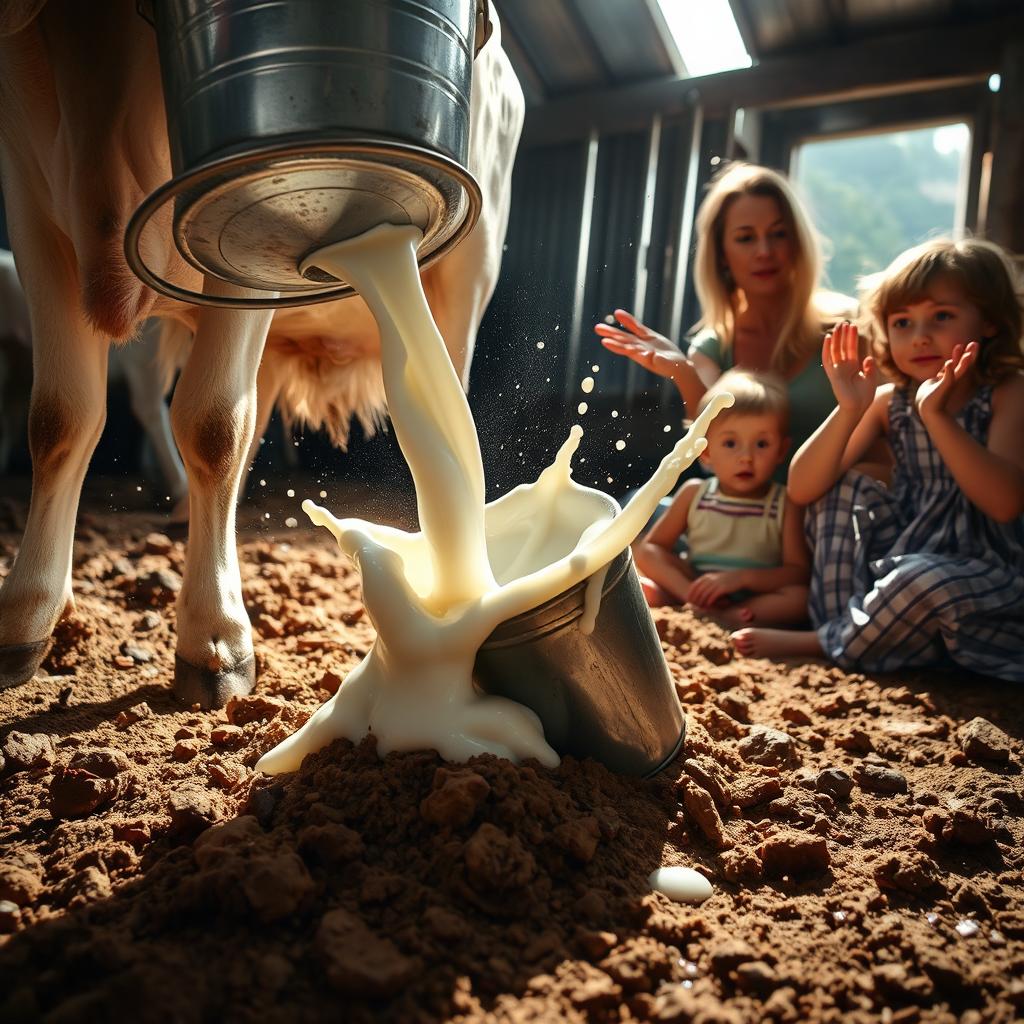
(745, 553)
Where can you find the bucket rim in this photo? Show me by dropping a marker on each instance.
(211, 169)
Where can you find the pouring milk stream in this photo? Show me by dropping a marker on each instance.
(435, 596)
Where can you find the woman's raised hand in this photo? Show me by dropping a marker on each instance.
(853, 379)
(638, 342)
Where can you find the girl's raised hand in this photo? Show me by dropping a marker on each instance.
(933, 394)
(638, 342)
(853, 379)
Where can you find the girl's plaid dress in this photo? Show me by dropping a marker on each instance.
(915, 575)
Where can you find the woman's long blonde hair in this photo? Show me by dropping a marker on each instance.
(717, 293)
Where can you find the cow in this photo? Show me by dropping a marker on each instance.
(138, 364)
(82, 143)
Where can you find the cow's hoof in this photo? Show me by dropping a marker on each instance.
(209, 689)
(18, 662)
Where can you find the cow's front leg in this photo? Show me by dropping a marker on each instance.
(212, 414)
(66, 416)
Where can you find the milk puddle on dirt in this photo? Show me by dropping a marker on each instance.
(436, 595)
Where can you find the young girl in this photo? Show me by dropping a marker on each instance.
(930, 570)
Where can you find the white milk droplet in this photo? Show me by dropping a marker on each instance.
(615, 412)
(587, 385)
(263, 483)
(595, 368)
(540, 344)
(609, 319)
(582, 408)
(609, 479)
(620, 445)
(291, 522)
(323, 494)
(684, 885)
(291, 493)
(667, 428)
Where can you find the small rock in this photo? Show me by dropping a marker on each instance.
(981, 741)
(263, 802)
(158, 588)
(707, 774)
(455, 798)
(751, 790)
(702, 810)
(834, 782)
(911, 871)
(254, 708)
(875, 779)
(595, 944)
(24, 750)
(92, 779)
(331, 681)
(856, 741)
(226, 735)
(735, 703)
(157, 544)
(20, 883)
(136, 713)
(764, 745)
(139, 655)
(147, 621)
(796, 715)
(185, 750)
(193, 810)
(497, 861)
(10, 917)
(794, 854)
(226, 774)
(756, 976)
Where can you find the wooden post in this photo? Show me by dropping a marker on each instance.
(1004, 221)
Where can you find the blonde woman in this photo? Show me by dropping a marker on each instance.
(756, 272)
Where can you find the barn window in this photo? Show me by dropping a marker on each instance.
(872, 196)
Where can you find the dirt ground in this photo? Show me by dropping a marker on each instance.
(864, 836)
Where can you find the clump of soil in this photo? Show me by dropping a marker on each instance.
(864, 836)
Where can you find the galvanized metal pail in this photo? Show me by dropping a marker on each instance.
(294, 124)
(606, 695)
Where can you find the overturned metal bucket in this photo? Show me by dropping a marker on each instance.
(607, 694)
(295, 124)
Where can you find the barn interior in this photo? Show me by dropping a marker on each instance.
(622, 134)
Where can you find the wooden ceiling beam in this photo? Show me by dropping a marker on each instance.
(898, 63)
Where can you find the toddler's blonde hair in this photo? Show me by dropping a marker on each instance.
(754, 394)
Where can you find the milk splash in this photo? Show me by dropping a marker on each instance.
(435, 596)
